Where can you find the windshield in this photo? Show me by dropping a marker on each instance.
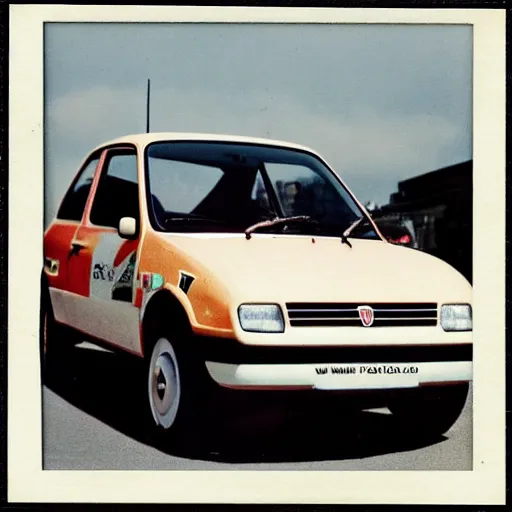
(228, 187)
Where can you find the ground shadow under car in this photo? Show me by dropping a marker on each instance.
(101, 384)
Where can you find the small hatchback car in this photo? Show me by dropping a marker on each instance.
(241, 263)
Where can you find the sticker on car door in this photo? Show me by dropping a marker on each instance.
(113, 268)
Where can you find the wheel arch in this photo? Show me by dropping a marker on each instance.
(162, 305)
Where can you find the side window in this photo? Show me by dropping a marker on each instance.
(117, 195)
(73, 205)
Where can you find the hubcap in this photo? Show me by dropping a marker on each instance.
(164, 385)
(160, 383)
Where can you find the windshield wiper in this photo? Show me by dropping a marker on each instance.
(346, 233)
(275, 222)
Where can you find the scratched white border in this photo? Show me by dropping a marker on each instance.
(27, 482)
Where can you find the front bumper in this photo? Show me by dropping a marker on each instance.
(339, 376)
(355, 367)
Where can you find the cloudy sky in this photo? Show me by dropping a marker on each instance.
(381, 103)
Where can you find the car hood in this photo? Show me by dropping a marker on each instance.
(291, 268)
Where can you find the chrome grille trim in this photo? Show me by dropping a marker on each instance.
(346, 314)
(352, 309)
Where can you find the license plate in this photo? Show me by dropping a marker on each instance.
(366, 376)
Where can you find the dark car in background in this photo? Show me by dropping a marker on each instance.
(396, 233)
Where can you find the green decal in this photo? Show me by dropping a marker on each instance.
(157, 281)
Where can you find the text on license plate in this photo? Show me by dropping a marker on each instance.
(366, 376)
(365, 369)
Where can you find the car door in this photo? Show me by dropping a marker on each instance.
(102, 268)
(59, 240)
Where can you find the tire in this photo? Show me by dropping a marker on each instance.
(179, 392)
(430, 411)
(55, 342)
(49, 332)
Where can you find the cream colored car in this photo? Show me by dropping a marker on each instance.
(226, 262)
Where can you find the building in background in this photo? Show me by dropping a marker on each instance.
(437, 209)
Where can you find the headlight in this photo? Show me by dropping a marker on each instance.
(261, 318)
(456, 317)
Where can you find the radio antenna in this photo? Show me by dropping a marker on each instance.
(147, 105)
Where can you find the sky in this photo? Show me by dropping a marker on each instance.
(381, 103)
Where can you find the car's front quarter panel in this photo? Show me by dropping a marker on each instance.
(204, 299)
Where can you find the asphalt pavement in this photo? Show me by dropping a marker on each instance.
(92, 420)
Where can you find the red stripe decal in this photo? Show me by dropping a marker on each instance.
(124, 251)
(138, 298)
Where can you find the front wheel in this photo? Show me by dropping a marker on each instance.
(164, 384)
(178, 392)
(430, 411)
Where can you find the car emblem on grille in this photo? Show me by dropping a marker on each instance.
(366, 315)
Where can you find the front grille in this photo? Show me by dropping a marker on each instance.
(386, 314)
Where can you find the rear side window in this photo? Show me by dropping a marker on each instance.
(117, 195)
(73, 205)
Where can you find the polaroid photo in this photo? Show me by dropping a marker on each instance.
(256, 255)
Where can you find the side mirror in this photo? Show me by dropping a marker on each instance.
(127, 227)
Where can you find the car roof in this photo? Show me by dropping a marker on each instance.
(142, 139)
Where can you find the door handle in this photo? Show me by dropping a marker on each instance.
(77, 246)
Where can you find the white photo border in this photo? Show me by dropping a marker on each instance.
(27, 482)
